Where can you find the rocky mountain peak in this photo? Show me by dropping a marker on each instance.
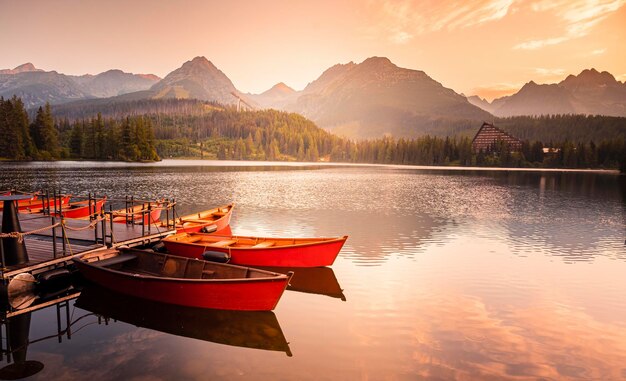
(23, 68)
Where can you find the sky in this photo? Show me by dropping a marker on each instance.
(484, 47)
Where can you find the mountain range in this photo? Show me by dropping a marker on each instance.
(359, 100)
(591, 92)
(36, 87)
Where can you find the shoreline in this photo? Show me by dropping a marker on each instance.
(187, 162)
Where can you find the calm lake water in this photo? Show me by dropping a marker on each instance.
(447, 274)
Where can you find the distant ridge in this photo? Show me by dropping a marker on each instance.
(36, 86)
(590, 92)
(277, 97)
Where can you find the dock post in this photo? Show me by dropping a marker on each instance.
(46, 207)
(104, 225)
(174, 213)
(149, 218)
(64, 238)
(54, 238)
(2, 258)
(93, 217)
(54, 196)
(111, 222)
(13, 248)
(167, 215)
(132, 207)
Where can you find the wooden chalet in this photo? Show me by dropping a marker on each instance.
(488, 135)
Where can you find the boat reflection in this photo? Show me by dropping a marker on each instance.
(249, 329)
(313, 280)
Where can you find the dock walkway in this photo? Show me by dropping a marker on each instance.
(47, 248)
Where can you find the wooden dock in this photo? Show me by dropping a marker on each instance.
(51, 248)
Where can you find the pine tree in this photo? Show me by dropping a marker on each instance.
(44, 134)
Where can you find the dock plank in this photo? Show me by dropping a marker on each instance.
(40, 245)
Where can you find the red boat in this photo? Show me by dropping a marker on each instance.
(35, 204)
(81, 209)
(196, 222)
(257, 251)
(183, 281)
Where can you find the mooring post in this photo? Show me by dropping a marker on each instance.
(104, 225)
(93, 217)
(167, 214)
(46, 207)
(14, 248)
(111, 222)
(54, 238)
(132, 207)
(63, 235)
(149, 218)
(54, 196)
(174, 213)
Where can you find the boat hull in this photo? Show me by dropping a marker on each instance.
(319, 254)
(82, 211)
(148, 218)
(253, 294)
(36, 204)
(222, 224)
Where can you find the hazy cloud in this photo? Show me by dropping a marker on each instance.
(577, 16)
(597, 52)
(497, 90)
(402, 20)
(549, 72)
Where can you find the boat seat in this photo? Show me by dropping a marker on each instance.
(223, 243)
(122, 258)
(263, 244)
(208, 274)
(195, 221)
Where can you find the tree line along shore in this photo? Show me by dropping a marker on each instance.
(220, 132)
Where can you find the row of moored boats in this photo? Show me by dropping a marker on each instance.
(194, 267)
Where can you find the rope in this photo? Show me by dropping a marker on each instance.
(67, 240)
(20, 235)
(90, 226)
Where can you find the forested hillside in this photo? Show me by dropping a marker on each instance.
(194, 129)
(130, 138)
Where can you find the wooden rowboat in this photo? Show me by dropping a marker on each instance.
(81, 209)
(258, 251)
(196, 222)
(127, 215)
(35, 204)
(139, 213)
(183, 281)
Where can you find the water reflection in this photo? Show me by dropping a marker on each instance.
(17, 331)
(258, 329)
(316, 280)
(449, 275)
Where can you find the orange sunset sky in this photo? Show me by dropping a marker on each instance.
(485, 47)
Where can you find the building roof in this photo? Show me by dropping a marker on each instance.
(488, 135)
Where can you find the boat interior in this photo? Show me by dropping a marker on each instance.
(244, 242)
(149, 263)
(203, 217)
